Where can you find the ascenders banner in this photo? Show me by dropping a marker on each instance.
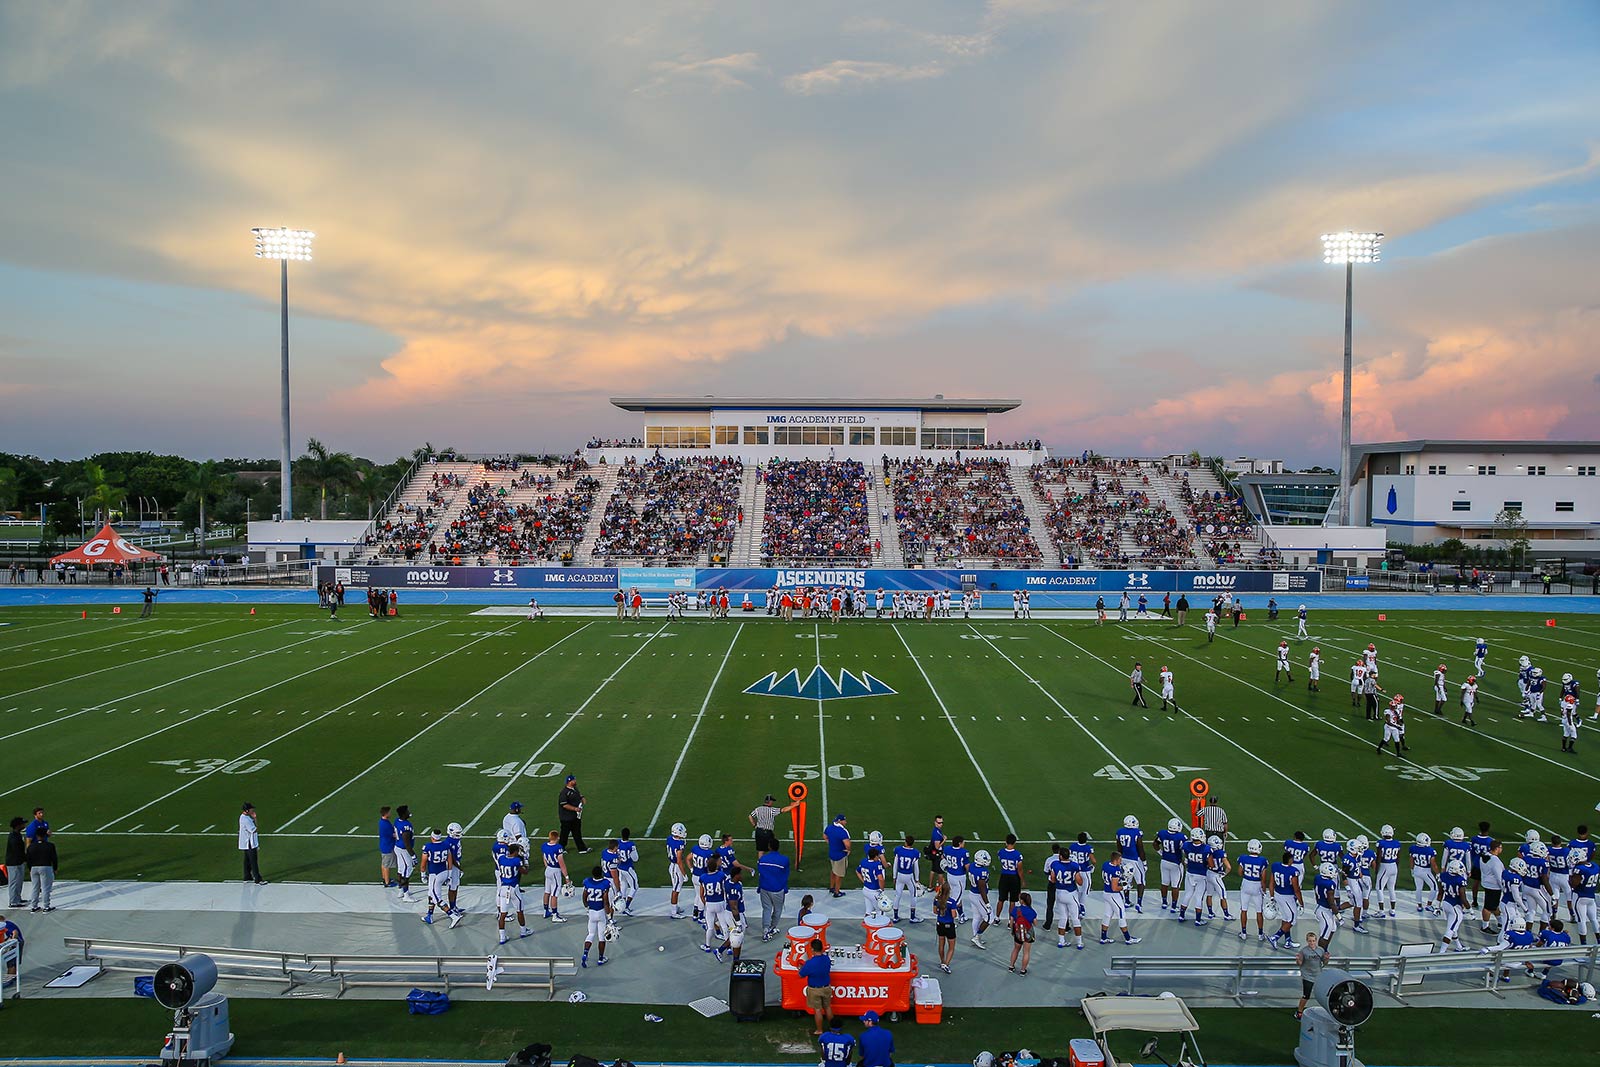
(760, 579)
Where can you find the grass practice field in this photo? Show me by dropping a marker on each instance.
(142, 738)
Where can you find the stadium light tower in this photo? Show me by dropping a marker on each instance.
(283, 244)
(1348, 248)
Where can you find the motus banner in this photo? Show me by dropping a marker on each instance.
(423, 576)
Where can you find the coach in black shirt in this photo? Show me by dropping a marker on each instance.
(569, 810)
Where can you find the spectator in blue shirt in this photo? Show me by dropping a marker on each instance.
(818, 973)
(386, 839)
(838, 853)
(836, 1046)
(877, 1043)
(772, 881)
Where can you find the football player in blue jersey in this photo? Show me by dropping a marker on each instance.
(1387, 879)
(1326, 891)
(1535, 884)
(597, 903)
(1356, 867)
(1515, 935)
(677, 864)
(1287, 900)
(978, 882)
(1452, 895)
(1169, 846)
(870, 873)
(1300, 624)
(1536, 694)
(1218, 868)
(1328, 849)
(1425, 874)
(1455, 847)
(1068, 880)
(726, 857)
(954, 858)
(502, 845)
(508, 889)
(405, 851)
(1252, 890)
(610, 860)
(1480, 655)
(437, 862)
(1081, 851)
(713, 899)
(699, 861)
(907, 876)
(627, 871)
(1195, 857)
(555, 875)
(1009, 860)
(453, 834)
(1480, 844)
(1585, 880)
(1511, 903)
(1559, 872)
(1524, 676)
(1111, 891)
(1298, 848)
(1130, 842)
(733, 920)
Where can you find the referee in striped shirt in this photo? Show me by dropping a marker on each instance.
(764, 819)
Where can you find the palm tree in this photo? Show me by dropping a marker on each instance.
(103, 496)
(205, 484)
(9, 488)
(323, 468)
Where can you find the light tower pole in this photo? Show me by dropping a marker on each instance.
(283, 244)
(1348, 248)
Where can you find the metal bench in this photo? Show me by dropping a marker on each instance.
(236, 964)
(1233, 970)
(10, 961)
(516, 972)
(1484, 969)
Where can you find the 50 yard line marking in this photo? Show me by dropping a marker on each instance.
(692, 729)
(570, 719)
(984, 778)
(1171, 811)
(386, 757)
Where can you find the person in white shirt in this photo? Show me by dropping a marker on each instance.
(1314, 670)
(534, 610)
(512, 824)
(1469, 699)
(1016, 604)
(250, 844)
(1211, 626)
(1168, 701)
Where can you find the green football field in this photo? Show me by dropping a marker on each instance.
(141, 739)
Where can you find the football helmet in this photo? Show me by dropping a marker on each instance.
(679, 830)
(705, 841)
(567, 889)
(1587, 990)
(1214, 841)
(1174, 825)
(1361, 839)
(1472, 677)
(1538, 672)
(454, 830)
(1523, 661)
(875, 839)
(1519, 925)
(981, 857)
(1197, 834)
(1457, 834)
(1443, 669)
(1518, 865)
(1253, 847)
(1566, 679)
(612, 930)
(1539, 849)
(1424, 840)
(1302, 607)
(1531, 836)
(1329, 836)
(1372, 648)
(885, 902)
(1327, 870)
(1130, 822)
(1353, 846)
(1455, 867)
(1386, 830)
(503, 837)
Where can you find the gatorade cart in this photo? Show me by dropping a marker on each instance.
(1165, 1014)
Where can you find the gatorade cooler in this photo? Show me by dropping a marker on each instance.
(928, 1000)
(1085, 1052)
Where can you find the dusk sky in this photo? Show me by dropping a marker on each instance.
(1109, 210)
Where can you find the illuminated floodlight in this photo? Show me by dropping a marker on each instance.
(1351, 247)
(280, 242)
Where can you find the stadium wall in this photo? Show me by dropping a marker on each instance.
(603, 581)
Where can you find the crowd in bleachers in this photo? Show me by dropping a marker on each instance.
(672, 509)
(1224, 526)
(816, 509)
(406, 533)
(1091, 503)
(958, 509)
(615, 442)
(492, 529)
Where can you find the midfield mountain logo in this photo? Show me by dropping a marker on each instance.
(820, 685)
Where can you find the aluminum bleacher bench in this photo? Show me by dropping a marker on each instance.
(515, 972)
(237, 964)
(1485, 970)
(1233, 971)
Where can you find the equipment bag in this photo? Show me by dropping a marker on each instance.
(536, 1055)
(144, 986)
(427, 1002)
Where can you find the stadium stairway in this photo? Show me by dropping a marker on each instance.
(1204, 480)
(606, 475)
(746, 548)
(415, 495)
(887, 534)
(1035, 510)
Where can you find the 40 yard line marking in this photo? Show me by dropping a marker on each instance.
(692, 729)
(568, 721)
(984, 778)
(392, 752)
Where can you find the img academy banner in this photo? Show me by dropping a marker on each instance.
(435, 577)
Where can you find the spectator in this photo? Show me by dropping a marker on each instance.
(1311, 958)
(817, 970)
(772, 881)
(250, 844)
(672, 510)
(569, 811)
(877, 1043)
(42, 863)
(16, 862)
(815, 510)
(960, 509)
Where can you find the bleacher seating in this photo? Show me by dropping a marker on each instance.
(1222, 524)
(669, 510)
(1104, 513)
(959, 509)
(815, 510)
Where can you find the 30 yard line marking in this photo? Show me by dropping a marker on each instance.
(712, 688)
(1077, 722)
(197, 779)
(568, 721)
(381, 760)
(984, 778)
(192, 718)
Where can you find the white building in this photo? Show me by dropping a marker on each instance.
(1423, 492)
(330, 540)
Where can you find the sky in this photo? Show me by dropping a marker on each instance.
(1108, 210)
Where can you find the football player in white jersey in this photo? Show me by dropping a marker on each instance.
(1169, 702)
(1211, 626)
(1391, 723)
(1314, 670)
(1439, 693)
(1358, 678)
(1027, 605)
(535, 612)
(1570, 718)
(1370, 654)
(1283, 667)
(1016, 604)
(1469, 699)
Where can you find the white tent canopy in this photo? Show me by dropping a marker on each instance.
(1155, 1015)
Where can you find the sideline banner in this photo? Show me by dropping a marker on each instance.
(656, 577)
(436, 577)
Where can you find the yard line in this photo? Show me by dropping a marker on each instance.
(984, 778)
(822, 737)
(1211, 729)
(442, 718)
(137, 662)
(163, 685)
(1450, 720)
(570, 719)
(49, 640)
(193, 718)
(26, 627)
(1359, 738)
(1079, 723)
(690, 739)
(1536, 636)
(197, 779)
